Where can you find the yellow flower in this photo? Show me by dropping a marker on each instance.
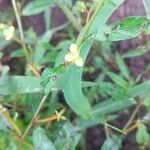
(8, 33)
(60, 115)
(73, 55)
(2, 26)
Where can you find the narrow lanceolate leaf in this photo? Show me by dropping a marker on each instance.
(134, 53)
(122, 66)
(140, 89)
(29, 84)
(41, 141)
(36, 7)
(72, 88)
(117, 79)
(127, 28)
(17, 53)
(110, 106)
(68, 137)
(19, 84)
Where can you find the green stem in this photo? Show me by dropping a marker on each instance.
(34, 116)
(47, 17)
(74, 21)
(106, 129)
(18, 18)
(87, 27)
(115, 128)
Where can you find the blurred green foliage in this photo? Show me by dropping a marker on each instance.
(41, 72)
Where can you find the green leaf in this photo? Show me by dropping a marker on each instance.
(29, 84)
(140, 89)
(102, 33)
(132, 23)
(134, 53)
(119, 35)
(142, 135)
(4, 124)
(111, 143)
(17, 53)
(68, 137)
(110, 106)
(72, 88)
(86, 123)
(60, 58)
(118, 79)
(41, 141)
(146, 103)
(105, 87)
(19, 84)
(49, 77)
(37, 6)
(89, 84)
(108, 7)
(119, 93)
(127, 28)
(122, 66)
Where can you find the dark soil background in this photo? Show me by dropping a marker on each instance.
(95, 135)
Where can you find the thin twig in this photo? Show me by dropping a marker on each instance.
(133, 127)
(35, 72)
(115, 128)
(106, 129)
(88, 16)
(34, 116)
(132, 117)
(18, 18)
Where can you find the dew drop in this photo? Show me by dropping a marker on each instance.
(54, 89)
(36, 90)
(27, 90)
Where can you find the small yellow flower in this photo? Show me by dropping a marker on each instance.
(73, 55)
(60, 115)
(2, 26)
(8, 33)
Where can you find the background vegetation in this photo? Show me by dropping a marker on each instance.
(58, 83)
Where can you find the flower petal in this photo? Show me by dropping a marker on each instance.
(69, 57)
(73, 48)
(9, 33)
(79, 62)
